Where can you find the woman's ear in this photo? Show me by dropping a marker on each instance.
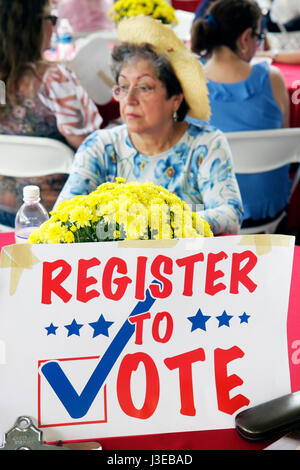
(177, 100)
(243, 42)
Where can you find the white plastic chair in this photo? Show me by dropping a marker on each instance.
(24, 156)
(259, 151)
(91, 65)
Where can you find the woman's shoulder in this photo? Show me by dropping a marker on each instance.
(200, 130)
(260, 70)
(275, 74)
(102, 137)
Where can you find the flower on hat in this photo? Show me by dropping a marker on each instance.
(158, 9)
(121, 211)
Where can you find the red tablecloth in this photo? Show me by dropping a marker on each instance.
(291, 74)
(186, 5)
(225, 439)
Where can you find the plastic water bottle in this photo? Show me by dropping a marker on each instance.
(64, 39)
(53, 42)
(30, 215)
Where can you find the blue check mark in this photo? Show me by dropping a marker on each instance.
(78, 405)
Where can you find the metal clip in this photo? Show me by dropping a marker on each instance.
(25, 436)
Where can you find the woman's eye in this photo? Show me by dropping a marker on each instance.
(145, 88)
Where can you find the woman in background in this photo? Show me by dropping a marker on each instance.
(244, 96)
(42, 99)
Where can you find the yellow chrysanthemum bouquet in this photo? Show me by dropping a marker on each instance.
(158, 9)
(121, 211)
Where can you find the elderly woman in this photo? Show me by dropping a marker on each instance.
(158, 82)
(42, 99)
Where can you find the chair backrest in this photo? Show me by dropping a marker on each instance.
(259, 151)
(91, 65)
(24, 156)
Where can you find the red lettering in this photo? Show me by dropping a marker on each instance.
(121, 282)
(212, 274)
(189, 262)
(155, 271)
(183, 362)
(296, 354)
(240, 275)
(159, 317)
(83, 281)
(140, 277)
(128, 365)
(138, 320)
(225, 383)
(50, 284)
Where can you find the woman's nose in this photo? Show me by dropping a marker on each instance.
(132, 95)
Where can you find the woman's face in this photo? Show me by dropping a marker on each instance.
(253, 42)
(47, 29)
(144, 106)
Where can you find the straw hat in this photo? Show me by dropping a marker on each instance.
(144, 29)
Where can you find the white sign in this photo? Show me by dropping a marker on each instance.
(119, 339)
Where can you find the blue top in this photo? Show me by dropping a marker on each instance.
(245, 106)
(198, 168)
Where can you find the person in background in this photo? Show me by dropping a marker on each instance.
(159, 81)
(282, 57)
(42, 99)
(243, 96)
(86, 16)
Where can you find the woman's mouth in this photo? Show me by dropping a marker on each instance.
(132, 116)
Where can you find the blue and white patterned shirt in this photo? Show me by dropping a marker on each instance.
(198, 169)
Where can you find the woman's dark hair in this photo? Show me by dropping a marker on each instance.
(129, 53)
(224, 22)
(21, 38)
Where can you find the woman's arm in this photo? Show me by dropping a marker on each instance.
(76, 114)
(280, 94)
(219, 189)
(284, 57)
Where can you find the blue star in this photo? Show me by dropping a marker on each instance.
(224, 319)
(199, 320)
(101, 326)
(51, 329)
(73, 328)
(244, 318)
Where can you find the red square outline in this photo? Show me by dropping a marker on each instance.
(40, 425)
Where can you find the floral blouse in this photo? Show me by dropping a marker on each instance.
(50, 103)
(198, 169)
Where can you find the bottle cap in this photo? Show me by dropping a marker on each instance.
(65, 24)
(31, 193)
